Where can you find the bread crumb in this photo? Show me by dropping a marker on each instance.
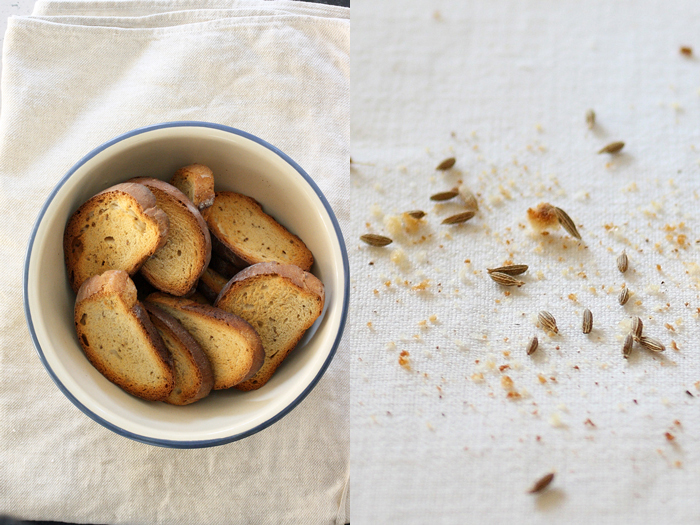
(507, 382)
(390, 346)
(399, 258)
(541, 378)
(392, 224)
(477, 377)
(403, 359)
(423, 285)
(669, 436)
(555, 421)
(543, 217)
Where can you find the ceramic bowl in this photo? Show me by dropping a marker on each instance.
(242, 163)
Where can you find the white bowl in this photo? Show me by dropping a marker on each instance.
(241, 163)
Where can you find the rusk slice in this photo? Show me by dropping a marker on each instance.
(119, 339)
(197, 182)
(210, 284)
(176, 267)
(232, 346)
(193, 374)
(117, 229)
(241, 226)
(281, 302)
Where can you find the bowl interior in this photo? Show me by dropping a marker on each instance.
(240, 163)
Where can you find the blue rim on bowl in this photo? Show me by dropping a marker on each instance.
(194, 443)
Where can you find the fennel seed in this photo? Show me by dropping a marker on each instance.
(505, 280)
(511, 269)
(376, 240)
(567, 223)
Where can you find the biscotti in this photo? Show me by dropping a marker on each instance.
(175, 267)
(119, 339)
(117, 229)
(242, 227)
(281, 302)
(233, 348)
(193, 374)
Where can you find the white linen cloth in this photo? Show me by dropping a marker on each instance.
(504, 87)
(80, 73)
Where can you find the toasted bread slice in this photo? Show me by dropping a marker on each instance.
(210, 284)
(197, 297)
(197, 182)
(117, 229)
(176, 267)
(281, 302)
(193, 374)
(240, 224)
(232, 346)
(119, 339)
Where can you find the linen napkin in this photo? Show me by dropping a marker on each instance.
(77, 74)
(461, 426)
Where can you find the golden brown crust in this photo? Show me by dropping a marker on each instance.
(198, 297)
(237, 323)
(201, 232)
(202, 368)
(233, 262)
(304, 280)
(110, 282)
(117, 283)
(148, 204)
(225, 199)
(73, 247)
(197, 182)
(210, 284)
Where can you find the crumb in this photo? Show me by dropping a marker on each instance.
(555, 421)
(398, 257)
(423, 285)
(507, 382)
(669, 436)
(369, 325)
(573, 297)
(513, 395)
(686, 51)
(433, 319)
(477, 377)
(503, 367)
(541, 378)
(392, 223)
(376, 292)
(410, 224)
(403, 359)
(543, 217)
(391, 345)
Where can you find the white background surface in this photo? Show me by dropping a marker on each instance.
(504, 87)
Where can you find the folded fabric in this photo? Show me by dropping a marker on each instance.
(77, 74)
